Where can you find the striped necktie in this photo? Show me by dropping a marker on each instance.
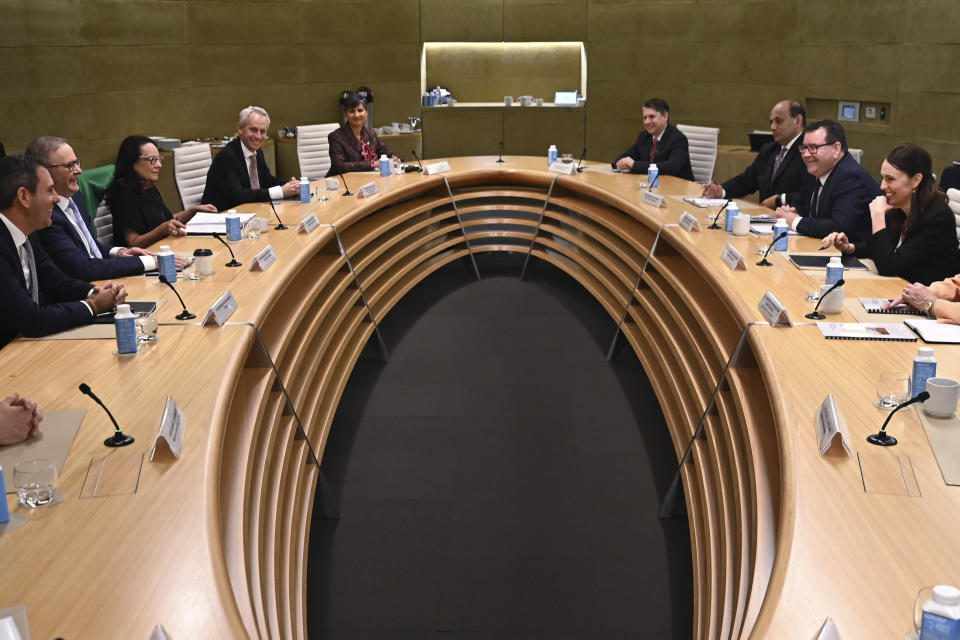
(254, 176)
(779, 160)
(32, 285)
(92, 249)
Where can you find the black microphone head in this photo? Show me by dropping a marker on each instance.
(85, 388)
(216, 234)
(414, 152)
(163, 279)
(840, 283)
(923, 396)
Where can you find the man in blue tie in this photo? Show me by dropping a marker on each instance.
(69, 241)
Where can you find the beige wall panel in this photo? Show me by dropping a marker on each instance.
(230, 22)
(368, 22)
(14, 30)
(732, 62)
(54, 22)
(362, 66)
(641, 23)
(531, 132)
(608, 138)
(852, 21)
(135, 23)
(755, 21)
(460, 21)
(930, 115)
(464, 133)
(20, 111)
(872, 67)
(552, 20)
(122, 68)
(321, 100)
(924, 67)
(157, 112)
(113, 116)
(55, 116)
(100, 151)
(40, 71)
(627, 63)
(395, 101)
(610, 98)
(235, 64)
(932, 21)
(213, 111)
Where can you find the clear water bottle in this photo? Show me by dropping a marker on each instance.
(924, 368)
(384, 166)
(304, 189)
(166, 263)
(780, 228)
(653, 176)
(552, 154)
(126, 327)
(834, 270)
(732, 212)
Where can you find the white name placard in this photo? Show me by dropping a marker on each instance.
(566, 168)
(831, 429)
(308, 224)
(264, 258)
(773, 310)
(368, 190)
(436, 167)
(733, 258)
(172, 426)
(651, 198)
(689, 222)
(221, 310)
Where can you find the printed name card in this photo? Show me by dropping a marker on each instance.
(221, 310)
(774, 311)
(566, 168)
(264, 258)
(831, 429)
(368, 190)
(308, 224)
(689, 222)
(172, 425)
(651, 198)
(733, 258)
(436, 167)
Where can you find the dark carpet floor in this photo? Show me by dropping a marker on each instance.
(497, 478)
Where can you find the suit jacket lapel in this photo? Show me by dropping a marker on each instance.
(9, 251)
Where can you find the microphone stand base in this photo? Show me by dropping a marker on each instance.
(234, 263)
(118, 440)
(881, 439)
(764, 263)
(185, 315)
(347, 193)
(815, 315)
(280, 227)
(714, 225)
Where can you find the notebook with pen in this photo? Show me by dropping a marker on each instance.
(875, 305)
(860, 331)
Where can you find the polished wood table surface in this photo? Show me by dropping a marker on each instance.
(214, 544)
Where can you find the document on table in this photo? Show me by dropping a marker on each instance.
(934, 332)
(205, 223)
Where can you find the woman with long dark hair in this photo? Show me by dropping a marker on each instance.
(914, 233)
(140, 217)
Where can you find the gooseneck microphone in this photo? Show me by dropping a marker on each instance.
(119, 438)
(717, 215)
(347, 192)
(183, 315)
(414, 152)
(765, 262)
(583, 155)
(281, 226)
(815, 314)
(500, 159)
(233, 259)
(881, 438)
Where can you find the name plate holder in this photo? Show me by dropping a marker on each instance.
(264, 258)
(733, 258)
(653, 199)
(221, 310)
(309, 224)
(368, 190)
(172, 426)
(436, 167)
(689, 222)
(566, 168)
(831, 429)
(774, 311)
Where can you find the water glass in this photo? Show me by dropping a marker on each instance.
(36, 482)
(893, 387)
(146, 327)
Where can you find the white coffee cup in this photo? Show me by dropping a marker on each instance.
(507, 100)
(944, 395)
(538, 102)
(333, 184)
(833, 302)
(741, 224)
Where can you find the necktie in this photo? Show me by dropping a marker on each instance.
(254, 177)
(92, 247)
(779, 160)
(815, 200)
(32, 267)
(653, 149)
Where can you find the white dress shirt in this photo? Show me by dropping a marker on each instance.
(149, 262)
(276, 192)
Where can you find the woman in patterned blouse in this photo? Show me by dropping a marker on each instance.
(355, 146)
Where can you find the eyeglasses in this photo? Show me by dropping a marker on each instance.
(153, 160)
(69, 166)
(813, 148)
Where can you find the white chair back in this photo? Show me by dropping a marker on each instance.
(190, 165)
(953, 199)
(856, 153)
(313, 151)
(103, 224)
(703, 150)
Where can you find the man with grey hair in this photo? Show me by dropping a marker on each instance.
(239, 173)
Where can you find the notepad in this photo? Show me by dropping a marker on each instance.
(875, 305)
(858, 331)
(934, 332)
(205, 223)
(703, 203)
(819, 261)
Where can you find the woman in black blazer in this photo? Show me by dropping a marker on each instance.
(355, 146)
(914, 233)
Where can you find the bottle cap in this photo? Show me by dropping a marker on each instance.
(835, 261)
(384, 157)
(123, 310)
(653, 165)
(925, 351)
(304, 179)
(946, 594)
(164, 248)
(233, 211)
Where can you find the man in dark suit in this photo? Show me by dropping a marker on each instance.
(661, 143)
(836, 192)
(70, 240)
(239, 173)
(778, 169)
(39, 299)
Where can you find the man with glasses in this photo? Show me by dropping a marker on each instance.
(70, 240)
(837, 191)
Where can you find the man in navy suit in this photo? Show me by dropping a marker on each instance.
(70, 240)
(778, 170)
(39, 299)
(836, 193)
(661, 143)
(239, 173)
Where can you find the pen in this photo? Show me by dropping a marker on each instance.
(826, 246)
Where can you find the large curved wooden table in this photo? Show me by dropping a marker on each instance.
(213, 545)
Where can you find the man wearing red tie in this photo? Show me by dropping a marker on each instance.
(661, 143)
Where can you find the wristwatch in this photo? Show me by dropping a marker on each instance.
(928, 307)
